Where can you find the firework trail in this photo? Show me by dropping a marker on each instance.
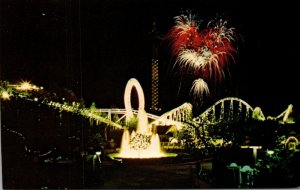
(201, 52)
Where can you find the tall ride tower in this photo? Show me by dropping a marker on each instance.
(156, 38)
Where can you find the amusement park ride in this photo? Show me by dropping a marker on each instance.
(226, 110)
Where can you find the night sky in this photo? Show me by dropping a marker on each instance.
(93, 47)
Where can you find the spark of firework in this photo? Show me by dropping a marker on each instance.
(199, 88)
(219, 40)
(184, 35)
(202, 60)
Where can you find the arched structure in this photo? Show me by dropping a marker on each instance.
(127, 97)
(227, 110)
(175, 116)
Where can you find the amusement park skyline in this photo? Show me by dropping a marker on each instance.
(92, 48)
(111, 93)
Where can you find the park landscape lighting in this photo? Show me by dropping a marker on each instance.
(255, 151)
(254, 148)
(270, 152)
(141, 143)
(26, 86)
(98, 153)
(5, 95)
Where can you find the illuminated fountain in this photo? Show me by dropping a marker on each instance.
(142, 143)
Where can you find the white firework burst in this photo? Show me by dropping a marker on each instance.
(221, 31)
(184, 23)
(199, 88)
(190, 59)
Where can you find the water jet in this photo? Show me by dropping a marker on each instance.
(141, 143)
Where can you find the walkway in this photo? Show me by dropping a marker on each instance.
(154, 175)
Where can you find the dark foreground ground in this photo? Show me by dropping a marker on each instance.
(153, 175)
(133, 174)
(180, 172)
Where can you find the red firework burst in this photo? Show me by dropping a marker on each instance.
(219, 40)
(203, 52)
(184, 35)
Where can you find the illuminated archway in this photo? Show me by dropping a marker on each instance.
(127, 97)
(291, 145)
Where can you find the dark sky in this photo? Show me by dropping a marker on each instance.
(93, 47)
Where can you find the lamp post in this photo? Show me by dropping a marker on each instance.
(245, 169)
(254, 148)
(1, 184)
(233, 166)
(97, 155)
(255, 152)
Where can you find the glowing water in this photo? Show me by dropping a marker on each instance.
(141, 143)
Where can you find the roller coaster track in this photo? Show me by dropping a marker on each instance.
(228, 109)
(225, 110)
